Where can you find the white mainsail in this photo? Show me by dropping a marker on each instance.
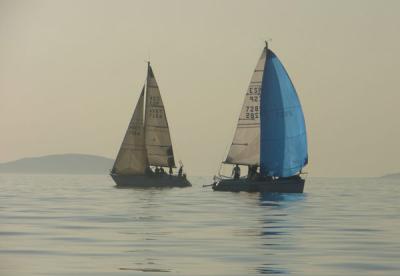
(157, 137)
(132, 156)
(245, 148)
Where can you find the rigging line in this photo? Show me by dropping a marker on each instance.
(227, 147)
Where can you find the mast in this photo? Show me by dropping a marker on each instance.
(145, 104)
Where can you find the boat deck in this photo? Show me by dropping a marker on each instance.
(280, 185)
(145, 181)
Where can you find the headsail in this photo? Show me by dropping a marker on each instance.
(283, 132)
(132, 156)
(245, 148)
(157, 137)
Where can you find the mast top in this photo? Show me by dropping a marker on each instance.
(266, 42)
(148, 67)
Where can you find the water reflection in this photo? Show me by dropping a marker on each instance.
(98, 230)
(276, 231)
(146, 231)
(268, 271)
(279, 198)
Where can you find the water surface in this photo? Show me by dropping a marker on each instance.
(83, 225)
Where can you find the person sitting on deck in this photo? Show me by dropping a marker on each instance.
(170, 170)
(162, 171)
(180, 170)
(252, 172)
(256, 173)
(249, 172)
(157, 171)
(236, 172)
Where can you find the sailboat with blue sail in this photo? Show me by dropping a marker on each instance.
(270, 138)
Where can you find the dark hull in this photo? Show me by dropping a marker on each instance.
(144, 181)
(281, 185)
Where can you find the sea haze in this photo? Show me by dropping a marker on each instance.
(83, 225)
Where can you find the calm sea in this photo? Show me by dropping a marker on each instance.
(83, 225)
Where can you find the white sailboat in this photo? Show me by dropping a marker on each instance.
(146, 157)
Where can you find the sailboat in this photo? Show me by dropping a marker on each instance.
(270, 138)
(146, 157)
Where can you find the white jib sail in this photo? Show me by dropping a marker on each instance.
(245, 148)
(132, 156)
(158, 140)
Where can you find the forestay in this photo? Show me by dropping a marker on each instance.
(245, 148)
(132, 156)
(157, 137)
(283, 132)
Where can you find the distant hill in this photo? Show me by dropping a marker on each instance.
(392, 176)
(60, 164)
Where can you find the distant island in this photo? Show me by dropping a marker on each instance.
(60, 164)
(392, 175)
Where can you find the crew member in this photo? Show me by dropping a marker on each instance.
(148, 171)
(236, 172)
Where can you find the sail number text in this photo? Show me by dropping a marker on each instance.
(156, 110)
(156, 113)
(154, 100)
(253, 109)
(252, 112)
(135, 129)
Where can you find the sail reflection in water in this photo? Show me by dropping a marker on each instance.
(275, 233)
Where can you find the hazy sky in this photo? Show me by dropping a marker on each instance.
(71, 73)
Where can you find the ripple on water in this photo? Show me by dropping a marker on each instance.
(83, 225)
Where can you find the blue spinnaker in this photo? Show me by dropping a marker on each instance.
(283, 145)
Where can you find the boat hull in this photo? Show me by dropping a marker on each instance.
(281, 185)
(145, 181)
